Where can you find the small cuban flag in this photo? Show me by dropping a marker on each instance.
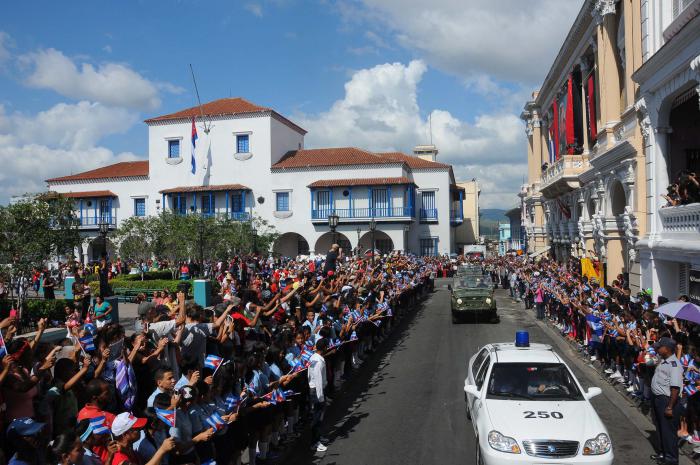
(231, 401)
(271, 397)
(194, 146)
(296, 365)
(168, 416)
(690, 390)
(353, 336)
(88, 343)
(213, 362)
(305, 357)
(97, 424)
(215, 421)
(90, 328)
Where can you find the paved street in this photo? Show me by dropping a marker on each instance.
(406, 406)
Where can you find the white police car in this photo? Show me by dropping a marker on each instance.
(527, 407)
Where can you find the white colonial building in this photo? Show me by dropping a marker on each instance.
(669, 113)
(251, 162)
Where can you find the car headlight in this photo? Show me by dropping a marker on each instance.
(598, 445)
(503, 443)
(459, 301)
(488, 300)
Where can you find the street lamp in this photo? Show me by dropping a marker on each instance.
(104, 229)
(333, 224)
(254, 234)
(406, 228)
(372, 228)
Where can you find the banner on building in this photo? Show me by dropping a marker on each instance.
(561, 124)
(694, 286)
(570, 119)
(590, 103)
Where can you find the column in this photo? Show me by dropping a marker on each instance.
(351, 203)
(537, 143)
(227, 194)
(608, 70)
(461, 203)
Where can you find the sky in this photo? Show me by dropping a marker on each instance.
(78, 78)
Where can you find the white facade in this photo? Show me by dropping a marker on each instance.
(668, 110)
(245, 184)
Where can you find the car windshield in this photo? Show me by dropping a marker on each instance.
(472, 281)
(532, 381)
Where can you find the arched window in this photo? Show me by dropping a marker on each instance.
(618, 199)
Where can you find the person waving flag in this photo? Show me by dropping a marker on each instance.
(97, 424)
(194, 146)
(87, 342)
(215, 421)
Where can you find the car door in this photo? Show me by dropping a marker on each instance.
(476, 403)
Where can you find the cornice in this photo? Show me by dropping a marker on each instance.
(569, 53)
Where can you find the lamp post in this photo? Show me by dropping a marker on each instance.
(333, 224)
(406, 228)
(200, 230)
(104, 229)
(372, 227)
(104, 269)
(254, 234)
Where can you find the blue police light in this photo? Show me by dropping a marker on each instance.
(522, 339)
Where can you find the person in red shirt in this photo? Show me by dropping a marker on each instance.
(126, 429)
(97, 391)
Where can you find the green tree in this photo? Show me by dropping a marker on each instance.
(35, 230)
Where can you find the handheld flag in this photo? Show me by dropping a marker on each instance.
(3, 349)
(87, 343)
(353, 336)
(97, 424)
(215, 421)
(213, 362)
(194, 145)
(232, 401)
(271, 397)
(168, 416)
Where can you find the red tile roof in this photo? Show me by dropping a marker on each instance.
(84, 194)
(216, 188)
(329, 157)
(360, 182)
(125, 169)
(345, 156)
(224, 107)
(412, 161)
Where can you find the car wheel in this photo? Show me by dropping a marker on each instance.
(495, 318)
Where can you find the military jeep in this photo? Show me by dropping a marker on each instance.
(472, 297)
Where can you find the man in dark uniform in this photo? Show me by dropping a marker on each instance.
(666, 386)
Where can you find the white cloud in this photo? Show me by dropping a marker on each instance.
(107, 48)
(255, 9)
(509, 40)
(109, 83)
(56, 142)
(380, 111)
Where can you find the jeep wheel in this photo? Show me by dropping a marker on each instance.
(494, 318)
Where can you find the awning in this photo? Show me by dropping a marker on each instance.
(82, 195)
(360, 182)
(216, 188)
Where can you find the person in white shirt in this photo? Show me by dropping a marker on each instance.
(317, 382)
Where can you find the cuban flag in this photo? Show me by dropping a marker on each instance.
(296, 365)
(168, 416)
(690, 390)
(213, 362)
(232, 401)
(90, 328)
(88, 343)
(194, 146)
(97, 424)
(353, 336)
(3, 349)
(270, 397)
(215, 421)
(305, 357)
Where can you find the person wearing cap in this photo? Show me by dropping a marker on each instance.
(24, 434)
(126, 429)
(666, 386)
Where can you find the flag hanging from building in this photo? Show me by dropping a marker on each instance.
(194, 146)
(570, 134)
(590, 97)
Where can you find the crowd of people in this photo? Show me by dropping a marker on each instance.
(683, 190)
(619, 331)
(204, 385)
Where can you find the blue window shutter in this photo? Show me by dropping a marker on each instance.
(282, 201)
(242, 143)
(139, 207)
(173, 148)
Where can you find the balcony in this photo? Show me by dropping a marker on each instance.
(428, 215)
(456, 217)
(681, 223)
(235, 216)
(93, 222)
(345, 214)
(562, 176)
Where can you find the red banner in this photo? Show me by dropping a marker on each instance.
(554, 128)
(570, 137)
(592, 128)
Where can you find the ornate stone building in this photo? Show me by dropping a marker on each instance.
(586, 191)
